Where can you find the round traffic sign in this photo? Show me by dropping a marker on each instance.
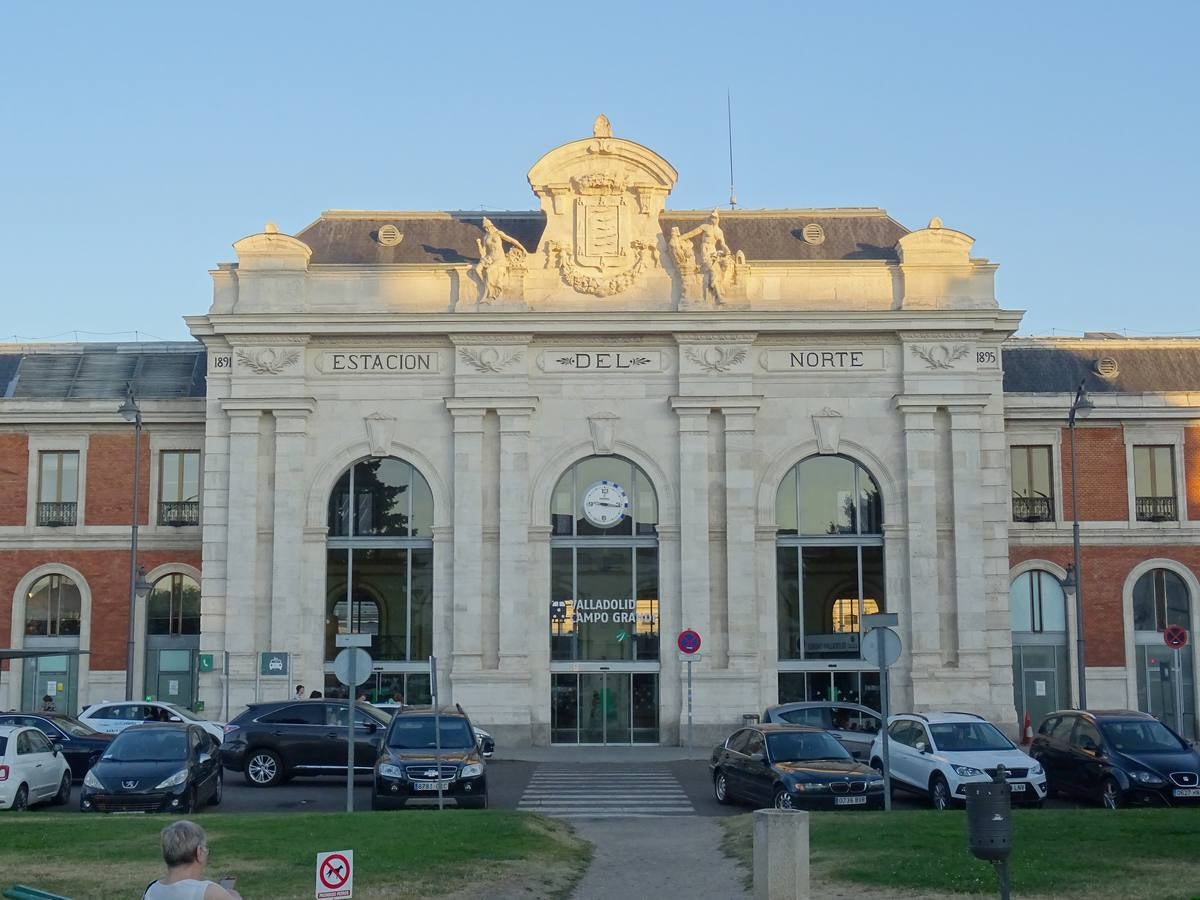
(688, 642)
(891, 646)
(1175, 637)
(362, 666)
(335, 871)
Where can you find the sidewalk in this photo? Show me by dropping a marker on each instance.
(657, 858)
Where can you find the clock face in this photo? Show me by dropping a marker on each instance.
(605, 504)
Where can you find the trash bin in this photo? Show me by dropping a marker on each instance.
(749, 719)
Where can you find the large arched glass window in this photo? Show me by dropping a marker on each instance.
(604, 604)
(379, 567)
(52, 607)
(1166, 679)
(1038, 617)
(174, 606)
(1037, 603)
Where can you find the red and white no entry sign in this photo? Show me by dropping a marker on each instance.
(1175, 637)
(335, 874)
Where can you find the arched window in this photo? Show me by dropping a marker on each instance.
(174, 606)
(52, 607)
(829, 574)
(1037, 603)
(1166, 679)
(1038, 617)
(1160, 598)
(604, 604)
(379, 572)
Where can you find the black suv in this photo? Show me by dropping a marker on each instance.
(274, 741)
(408, 767)
(1117, 758)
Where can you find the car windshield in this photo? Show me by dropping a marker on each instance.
(798, 746)
(75, 728)
(1141, 737)
(416, 733)
(147, 746)
(962, 737)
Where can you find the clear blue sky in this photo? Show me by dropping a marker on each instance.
(141, 139)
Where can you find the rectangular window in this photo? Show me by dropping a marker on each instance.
(1154, 484)
(179, 488)
(58, 487)
(1032, 484)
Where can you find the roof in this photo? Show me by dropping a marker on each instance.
(1059, 365)
(155, 371)
(343, 237)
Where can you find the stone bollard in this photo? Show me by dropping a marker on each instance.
(781, 854)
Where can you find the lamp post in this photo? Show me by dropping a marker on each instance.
(1074, 578)
(131, 412)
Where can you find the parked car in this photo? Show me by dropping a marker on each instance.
(792, 767)
(271, 742)
(940, 753)
(32, 770)
(161, 767)
(487, 744)
(114, 716)
(408, 768)
(81, 744)
(853, 726)
(1117, 758)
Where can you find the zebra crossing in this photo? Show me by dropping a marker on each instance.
(593, 793)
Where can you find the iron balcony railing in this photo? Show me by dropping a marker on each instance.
(56, 514)
(179, 512)
(1032, 509)
(1156, 509)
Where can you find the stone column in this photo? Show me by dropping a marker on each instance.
(443, 603)
(742, 606)
(920, 452)
(287, 560)
(693, 519)
(467, 654)
(241, 553)
(671, 712)
(516, 620)
(968, 531)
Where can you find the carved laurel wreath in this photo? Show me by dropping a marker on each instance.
(716, 360)
(268, 361)
(941, 356)
(489, 359)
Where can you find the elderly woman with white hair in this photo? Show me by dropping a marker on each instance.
(185, 851)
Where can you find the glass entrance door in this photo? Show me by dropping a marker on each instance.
(1039, 675)
(50, 676)
(1164, 689)
(604, 708)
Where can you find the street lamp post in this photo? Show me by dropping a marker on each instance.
(131, 412)
(1074, 572)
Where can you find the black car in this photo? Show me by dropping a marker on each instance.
(792, 767)
(164, 767)
(408, 766)
(1117, 758)
(81, 744)
(271, 742)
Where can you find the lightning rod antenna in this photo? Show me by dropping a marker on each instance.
(729, 120)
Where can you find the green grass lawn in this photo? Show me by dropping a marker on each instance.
(1091, 853)
(409, 854)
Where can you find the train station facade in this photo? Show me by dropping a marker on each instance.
(539, 445)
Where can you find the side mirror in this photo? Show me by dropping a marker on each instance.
(57, 749)
(174, 719)
(921, 747)
(757, 757)
(487, 746)
(205, 757)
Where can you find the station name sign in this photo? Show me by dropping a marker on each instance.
(602, 359)
(378, 362)
(822, 359)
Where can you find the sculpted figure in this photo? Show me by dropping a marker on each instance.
(681, 252)
(492, 268)
(716, 259)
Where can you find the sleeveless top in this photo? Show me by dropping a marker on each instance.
(187, 889)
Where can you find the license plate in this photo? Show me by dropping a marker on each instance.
(849, 801)
(1017, 785)
(1186, 792)
(429, 785)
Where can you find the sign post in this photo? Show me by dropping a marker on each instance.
(688, 643)
(352, 667)
(437, 728)
(882, 645)
(1176, 637)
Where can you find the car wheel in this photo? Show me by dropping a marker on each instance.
(21, 800)
(721, 787)
(939, 793)
(215, 799)
(783, 799)
(64, 790)
(1110, 794)
(263, 768)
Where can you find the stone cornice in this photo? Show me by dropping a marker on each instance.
(475, 340)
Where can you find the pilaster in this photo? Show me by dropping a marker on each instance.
(968, 532)
(291, 428)
(516, 619)
(920, 456)
(694, 585)
(467, 650)
(742, 609)
(242, 528)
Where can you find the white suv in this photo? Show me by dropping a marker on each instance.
(940, 753)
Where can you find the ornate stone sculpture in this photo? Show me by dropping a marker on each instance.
(719, 265)
(494, 264)
(682, 252)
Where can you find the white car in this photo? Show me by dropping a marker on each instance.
(940, 753)
(114, 716)
(32, 770)
(481, 736)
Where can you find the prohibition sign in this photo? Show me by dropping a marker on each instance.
(1175, 637)
(688, 642)
(335, 871)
